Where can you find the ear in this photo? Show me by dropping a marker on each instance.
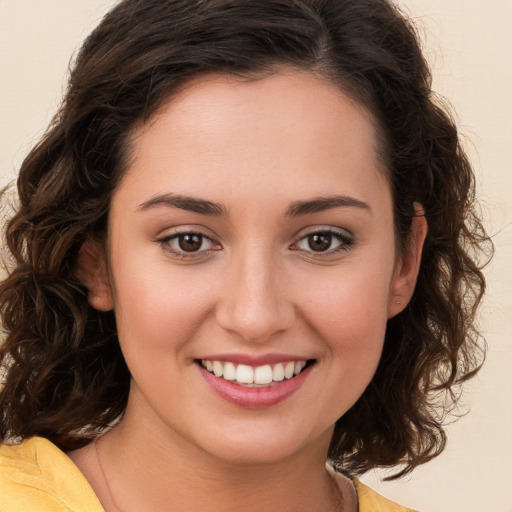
(407, 269)
(92, 272)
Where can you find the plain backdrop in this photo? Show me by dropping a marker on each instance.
(469, 46)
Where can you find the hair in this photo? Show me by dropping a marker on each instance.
(64, 374)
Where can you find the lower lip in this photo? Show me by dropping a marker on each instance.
(254, 398)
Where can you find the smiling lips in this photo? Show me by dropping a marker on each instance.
(254, 376)
(255, 387)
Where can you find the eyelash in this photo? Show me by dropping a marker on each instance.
(346, 242)
(166, 242)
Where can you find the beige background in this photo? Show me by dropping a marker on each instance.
(469, 45)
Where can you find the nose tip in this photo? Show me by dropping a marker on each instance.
(254, 323)
(254, 305)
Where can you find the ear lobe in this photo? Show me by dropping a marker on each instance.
(406, 272)
(92, 272)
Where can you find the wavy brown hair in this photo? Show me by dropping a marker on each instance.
(63, 371)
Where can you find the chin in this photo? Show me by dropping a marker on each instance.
(254, 455)
(261, 447)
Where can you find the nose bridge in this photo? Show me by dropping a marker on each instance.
(254, 303)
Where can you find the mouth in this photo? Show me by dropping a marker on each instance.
(255, 376)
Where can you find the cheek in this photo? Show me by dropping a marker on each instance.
(355, 334)
(158, 307)
(349, 313)
(348, 300)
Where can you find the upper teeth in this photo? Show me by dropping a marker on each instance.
(259, 375)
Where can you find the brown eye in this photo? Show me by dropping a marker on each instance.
(190, 242)
(320, 242)
(325, 242)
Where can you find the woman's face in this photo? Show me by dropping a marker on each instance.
(252, 235)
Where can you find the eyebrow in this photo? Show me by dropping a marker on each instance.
(320, 204)
(296, 209)
(191, 204)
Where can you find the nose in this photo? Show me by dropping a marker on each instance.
(254, 303)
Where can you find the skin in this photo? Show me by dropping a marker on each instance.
(255, 287)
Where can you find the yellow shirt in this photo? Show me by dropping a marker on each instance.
(36, 476)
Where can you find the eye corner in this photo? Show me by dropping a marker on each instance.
(200, 245)
(329, 241)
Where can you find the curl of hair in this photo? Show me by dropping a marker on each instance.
(63, 371)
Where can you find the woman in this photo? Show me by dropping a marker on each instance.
(245, 247)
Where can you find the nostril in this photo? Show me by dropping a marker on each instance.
(254, 324)
(252, 303)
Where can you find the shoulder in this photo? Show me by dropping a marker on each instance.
(371, 501)
(36, 475)
(366, 498)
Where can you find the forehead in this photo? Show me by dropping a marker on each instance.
(275, 132)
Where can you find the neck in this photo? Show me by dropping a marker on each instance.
(165, 471)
